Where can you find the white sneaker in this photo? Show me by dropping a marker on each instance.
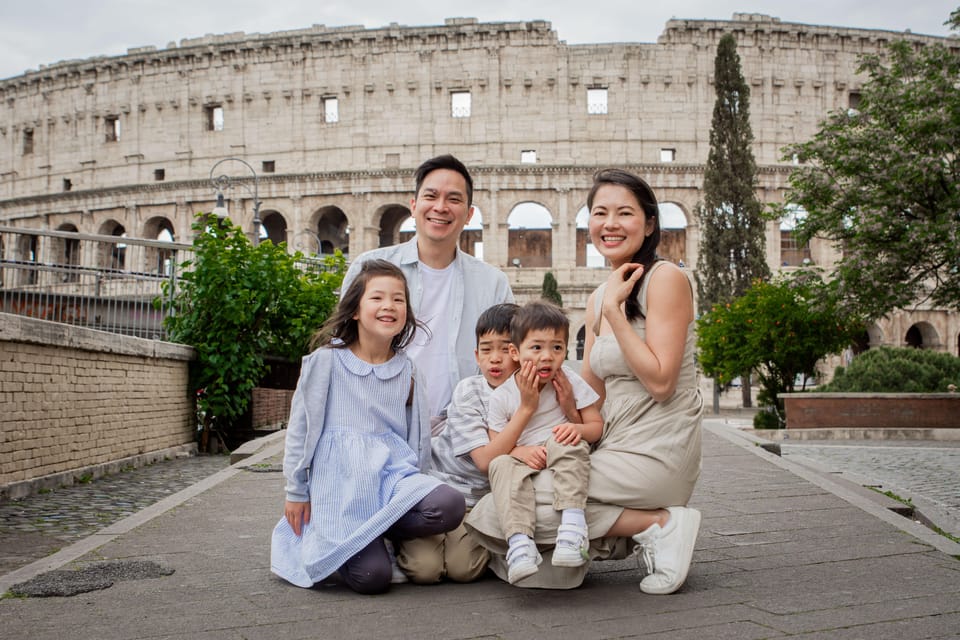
(397, 576)
(522, 561)
(572, 545)
(667, 551)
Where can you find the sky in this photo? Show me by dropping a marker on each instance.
(42, 32)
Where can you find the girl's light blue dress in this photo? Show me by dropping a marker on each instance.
(364, 475)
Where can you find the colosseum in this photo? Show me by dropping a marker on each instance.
(331, 122)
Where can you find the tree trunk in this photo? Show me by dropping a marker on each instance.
(745, 390)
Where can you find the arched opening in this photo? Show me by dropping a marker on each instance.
(530, 236)
(581, 341)
(28, 252)
(587, 254)
(792, 254)
(112, 255)
(67, 254)
(159, 260)
(332, 231)
(391, 217)
(273, 227)
(673, 233)
(922, 335)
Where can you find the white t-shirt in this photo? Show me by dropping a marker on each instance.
(430, 351)
(505, 400)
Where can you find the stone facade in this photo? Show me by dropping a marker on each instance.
(334, 120)
(72, 399)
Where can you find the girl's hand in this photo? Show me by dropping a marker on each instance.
(529, 385)
(566, 433)
(561, 384)
(619, 285)
(297, 515)
(533, 457)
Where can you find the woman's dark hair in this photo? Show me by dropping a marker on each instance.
(647, 254)
(343, 326)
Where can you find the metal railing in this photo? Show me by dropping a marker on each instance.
(101, 282)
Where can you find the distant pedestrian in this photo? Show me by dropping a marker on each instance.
(357, 443)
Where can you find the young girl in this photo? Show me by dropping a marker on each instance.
(357, 441)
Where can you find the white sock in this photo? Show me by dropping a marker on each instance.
(518, 539)
(573, 516)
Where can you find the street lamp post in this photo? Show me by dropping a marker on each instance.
(223, 182)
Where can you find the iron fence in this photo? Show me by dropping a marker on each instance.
(96, 281)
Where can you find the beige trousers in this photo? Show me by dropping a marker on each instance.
(455, 555)
(511, 483)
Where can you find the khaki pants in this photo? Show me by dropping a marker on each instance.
(511, 483)
(455, 555)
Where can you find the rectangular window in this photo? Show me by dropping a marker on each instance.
(159, 175)
(268, 166)
(597, 101)
(214, 117)
(528, 157)
(67, 184)
(27, 141)
(668, 155)
(460, 104)
(331, 110)
(111, 126)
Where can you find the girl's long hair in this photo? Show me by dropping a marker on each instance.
(647, 253)
(341, 330)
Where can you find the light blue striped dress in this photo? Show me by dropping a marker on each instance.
(364, 475)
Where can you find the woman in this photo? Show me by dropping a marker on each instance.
(639, 356)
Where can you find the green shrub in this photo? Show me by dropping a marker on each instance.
(767, 418)
(897, 370)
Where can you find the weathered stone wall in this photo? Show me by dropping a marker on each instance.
(72, 398)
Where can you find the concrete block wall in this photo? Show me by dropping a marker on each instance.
(74, 399)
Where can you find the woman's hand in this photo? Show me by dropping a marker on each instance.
(619, 285)
(297, 515)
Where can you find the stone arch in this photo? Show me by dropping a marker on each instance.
(587, 254)
(530, 235)
(331, 230)
(27, 251)
(673, 233)
(391, 216)
(922, 335)
(66, 254)
(581, 340)
(273, 226)
(112, 256)
(158, 260)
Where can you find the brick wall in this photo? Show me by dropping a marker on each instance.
(73, 398)
(270, 407)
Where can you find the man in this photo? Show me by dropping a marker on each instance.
(449, 289)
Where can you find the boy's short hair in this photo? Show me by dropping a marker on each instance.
(496, 319)
(538, 315)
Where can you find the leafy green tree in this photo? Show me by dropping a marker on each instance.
(881, 181)
(550, 291)
(732, 241)
(237, 303)
(778, 330)
(898, 370)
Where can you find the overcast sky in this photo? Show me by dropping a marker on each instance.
(36, 32)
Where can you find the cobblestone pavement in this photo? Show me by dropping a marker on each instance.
(927, 473)
(36, 526)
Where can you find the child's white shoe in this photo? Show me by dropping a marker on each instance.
(522, 561)
(572, 546)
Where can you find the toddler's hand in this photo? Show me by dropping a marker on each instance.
(567, 433)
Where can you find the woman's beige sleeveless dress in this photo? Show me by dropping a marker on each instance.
(647, 458)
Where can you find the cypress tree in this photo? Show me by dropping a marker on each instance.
(550, 291)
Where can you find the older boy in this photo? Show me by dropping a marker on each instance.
(527, 410)
(461, 454)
